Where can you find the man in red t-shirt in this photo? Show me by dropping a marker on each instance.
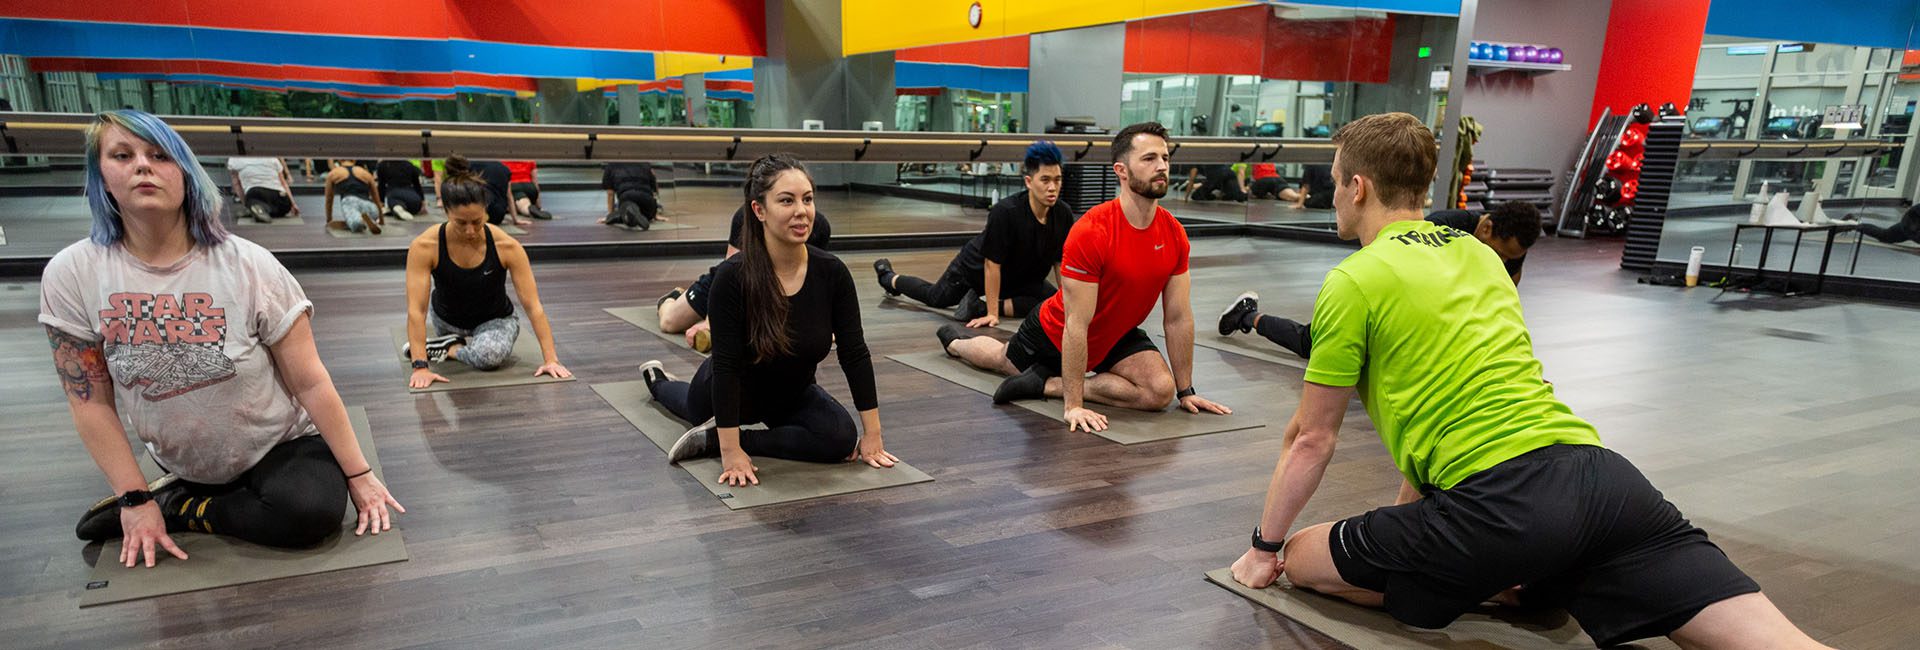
(1120, 257)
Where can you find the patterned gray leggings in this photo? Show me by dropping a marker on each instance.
(488, 346)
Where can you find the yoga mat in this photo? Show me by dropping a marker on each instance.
(512, 229)
(781, 481)
(244, 218)
(217, 561)
(1124, 426)
(657, 226)
(1361, 627)
(392, 229)
(1246, 345)
(647, 317)
(517, 371)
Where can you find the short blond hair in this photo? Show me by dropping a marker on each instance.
(1395, 151)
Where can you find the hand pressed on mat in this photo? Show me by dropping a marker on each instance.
(736, 468)
(1257, 568)
(988, 320)
(423, 378)
(371, 499)
(872, 452)
(143, 528)
(1084, 419)
(554, 369)
(1195, 403)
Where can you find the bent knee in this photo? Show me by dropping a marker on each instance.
(1309, 562)
(1158, 392)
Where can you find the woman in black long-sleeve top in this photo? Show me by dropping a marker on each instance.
(776, 308)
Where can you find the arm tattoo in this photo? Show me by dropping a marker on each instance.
(79, 362)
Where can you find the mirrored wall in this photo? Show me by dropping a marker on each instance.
(1256, 71)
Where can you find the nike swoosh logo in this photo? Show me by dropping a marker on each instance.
(1160, 247)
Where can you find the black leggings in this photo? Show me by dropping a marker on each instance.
(1228, 185)
(1268, 188)
(815, 428)
(405, 197)
(1907, 230)
(649, 206)
(294, 497)
(954, 285)
(1295, 336)
(278, 205)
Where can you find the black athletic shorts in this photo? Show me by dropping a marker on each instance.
(528, 191)
(1577, 525)
(697, 292)
(1030, 347)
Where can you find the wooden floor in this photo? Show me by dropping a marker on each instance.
(538, 517)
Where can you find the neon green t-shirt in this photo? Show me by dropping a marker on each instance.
(1426, 323)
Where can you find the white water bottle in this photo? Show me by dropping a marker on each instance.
(1758, 211)
(1693, 264)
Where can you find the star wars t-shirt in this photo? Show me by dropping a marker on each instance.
(187, 348)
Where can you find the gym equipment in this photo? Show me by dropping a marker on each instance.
(1606, 190)
(1642, 114)
(1528, 54)
(1668, 110)
(220, 561)
(1500, 53)
(1709, 127)
(1554, 55)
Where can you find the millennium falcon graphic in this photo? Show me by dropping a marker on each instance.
(164, 370)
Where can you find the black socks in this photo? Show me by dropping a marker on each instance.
(1029, 384)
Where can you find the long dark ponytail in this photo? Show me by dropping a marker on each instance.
(766, 301)
(463, 185)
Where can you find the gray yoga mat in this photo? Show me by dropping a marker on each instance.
(218, 561)
(658, 226)
(517, 371)
(392, 229)
(1124, 426)
(512, 229)
(1362, 627)
(244, 218)
(647, 317)
(781, 481)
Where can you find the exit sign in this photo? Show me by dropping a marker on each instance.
(1425, 51)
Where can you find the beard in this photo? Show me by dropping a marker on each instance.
(1146, 187)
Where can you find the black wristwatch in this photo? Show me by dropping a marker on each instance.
(135, 498)
(1186, 393)
(419, 364)
(1264, 545)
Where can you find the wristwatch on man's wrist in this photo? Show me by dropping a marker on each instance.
(1260, 544)
(419, 364)
(135, 498)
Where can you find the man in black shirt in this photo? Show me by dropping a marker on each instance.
(1510, 229)
(1222, 183)
(1003, 270)
(685, 310)
(1317, 183)
(632, 194)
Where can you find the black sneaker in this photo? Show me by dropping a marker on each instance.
(970, 307)
(951, 332)
(102, 521)
(653, 372)
(695, 443)
(1237, 314)
(540, 214)
(437, 347)
(1029, 384)
(670, 295)
(885, 268)
(630, 211)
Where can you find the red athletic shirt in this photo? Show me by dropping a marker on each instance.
(522, 170)
(1131, 266)
(1265, 170)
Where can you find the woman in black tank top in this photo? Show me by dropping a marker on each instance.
(353, 186)
(457, 282)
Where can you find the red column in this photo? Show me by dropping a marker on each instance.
(1651, 49)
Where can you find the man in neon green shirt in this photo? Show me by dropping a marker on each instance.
(1504, 486)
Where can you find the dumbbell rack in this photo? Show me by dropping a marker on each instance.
(1571, 219)
(1497, 185)
(1657, 172)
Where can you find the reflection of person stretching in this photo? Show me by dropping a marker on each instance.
(1908, 230)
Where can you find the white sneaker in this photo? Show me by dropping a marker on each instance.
(1778, 214)
(692, 444)
(401, 213)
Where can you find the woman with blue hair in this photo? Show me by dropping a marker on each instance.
(1003, 270)
(201, 343)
